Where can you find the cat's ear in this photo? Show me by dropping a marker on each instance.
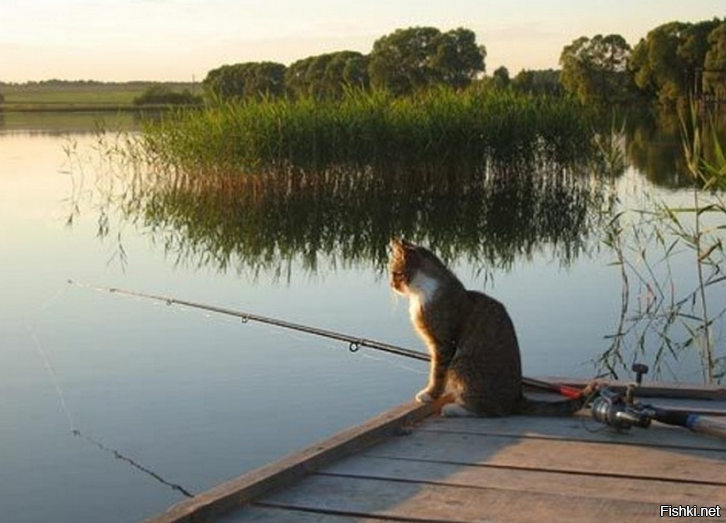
(396, 244)
(400, 243)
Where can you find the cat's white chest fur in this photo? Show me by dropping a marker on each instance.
(422, 290)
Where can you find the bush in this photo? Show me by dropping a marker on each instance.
(163, 95)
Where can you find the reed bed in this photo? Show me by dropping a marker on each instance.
(268, 223)
(495, 175)
(438, 127)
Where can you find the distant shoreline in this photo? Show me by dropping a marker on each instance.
(79, 108)
(82, 96)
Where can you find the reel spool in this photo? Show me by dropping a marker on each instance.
(619, 409)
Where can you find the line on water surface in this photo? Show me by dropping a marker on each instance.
(77, 432)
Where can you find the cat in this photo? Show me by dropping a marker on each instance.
(471, 338)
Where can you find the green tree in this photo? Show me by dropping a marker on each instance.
(159, 94)
(458, 59)
(539, 82)
(695, 43)
(596, 70)
(715, 62)
(327, 75)
(500, 78)
(250, 79)
(664, 63)
(657, 69)
(418, 57)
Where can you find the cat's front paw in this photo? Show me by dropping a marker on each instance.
(425, 396)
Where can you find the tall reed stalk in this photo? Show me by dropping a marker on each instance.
(659, 311)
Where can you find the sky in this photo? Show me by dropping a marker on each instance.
(181, 40)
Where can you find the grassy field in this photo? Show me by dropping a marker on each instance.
(70, 96)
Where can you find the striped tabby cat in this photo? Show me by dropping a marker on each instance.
(471, 339)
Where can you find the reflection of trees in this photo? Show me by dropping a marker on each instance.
(655, 148)
(60, 123)
(266, 222)
(656, 152)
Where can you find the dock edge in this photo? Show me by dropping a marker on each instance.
(244, 489)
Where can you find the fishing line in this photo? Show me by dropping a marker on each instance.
(52, 299)
(75, 431)
(394, 363)
(329, 344)
(53, 378)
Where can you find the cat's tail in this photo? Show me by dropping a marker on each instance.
(566, 407)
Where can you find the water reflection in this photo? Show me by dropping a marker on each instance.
(655, 146)
(57, 123)
(490, 215)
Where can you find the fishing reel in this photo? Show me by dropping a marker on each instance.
(618, 409)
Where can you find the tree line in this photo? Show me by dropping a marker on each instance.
(402, 62)
(672, 62)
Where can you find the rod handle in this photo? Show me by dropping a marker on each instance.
(705, 425)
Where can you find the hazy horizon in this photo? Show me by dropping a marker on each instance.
(181, 40)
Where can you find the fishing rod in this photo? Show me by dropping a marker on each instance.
(354, 342)
(620, 410)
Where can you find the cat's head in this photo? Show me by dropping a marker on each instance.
(404, 262)
(414, 269)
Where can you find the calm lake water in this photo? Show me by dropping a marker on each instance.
(198, 398)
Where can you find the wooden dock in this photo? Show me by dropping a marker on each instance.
(410, 465)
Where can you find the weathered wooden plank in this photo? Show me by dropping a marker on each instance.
(442, 503)
(579, 428)
(225, 497)
(705, 466)
(578, 485)
(259, 514)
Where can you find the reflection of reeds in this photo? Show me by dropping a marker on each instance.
(667, 316)
(610, 146)
(437, 127)
(347, 215)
